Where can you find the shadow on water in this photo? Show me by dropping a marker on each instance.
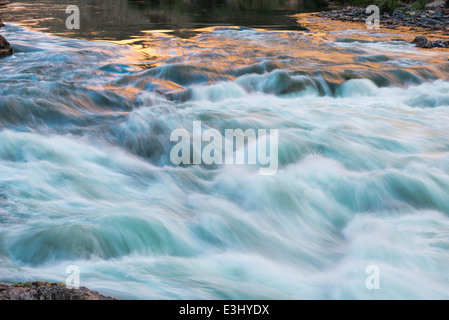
(122, 19)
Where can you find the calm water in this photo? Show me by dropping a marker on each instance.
(122, 19)
(86, 177)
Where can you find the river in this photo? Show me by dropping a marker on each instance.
(86, 177)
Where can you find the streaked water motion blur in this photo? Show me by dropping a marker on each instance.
(86, 179)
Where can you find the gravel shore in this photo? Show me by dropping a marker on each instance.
(47, 291)
(428, 19)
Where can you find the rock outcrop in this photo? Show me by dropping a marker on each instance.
(5, 47)
(47, 291)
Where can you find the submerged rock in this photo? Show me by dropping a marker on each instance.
(5, 47)
(47, 291)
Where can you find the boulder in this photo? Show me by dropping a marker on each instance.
(5, 47)
(420, 39)
(423, 42)
(436, 4)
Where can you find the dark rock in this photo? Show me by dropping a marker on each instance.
(420, 39)
(440, 44)
(47, 291)
(439, 14)
(5, 47)
(423, 42)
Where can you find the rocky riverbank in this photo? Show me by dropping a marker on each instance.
(47, 291)
(434, 17)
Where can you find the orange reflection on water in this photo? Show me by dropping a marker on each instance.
(334, 50)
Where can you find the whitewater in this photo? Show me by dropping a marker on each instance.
(363, 178)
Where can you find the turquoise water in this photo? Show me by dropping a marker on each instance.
(363, 179)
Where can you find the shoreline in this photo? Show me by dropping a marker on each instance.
(436, 19)
(433, 19)
(39, 290)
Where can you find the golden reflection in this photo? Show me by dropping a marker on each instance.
(336, 51)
